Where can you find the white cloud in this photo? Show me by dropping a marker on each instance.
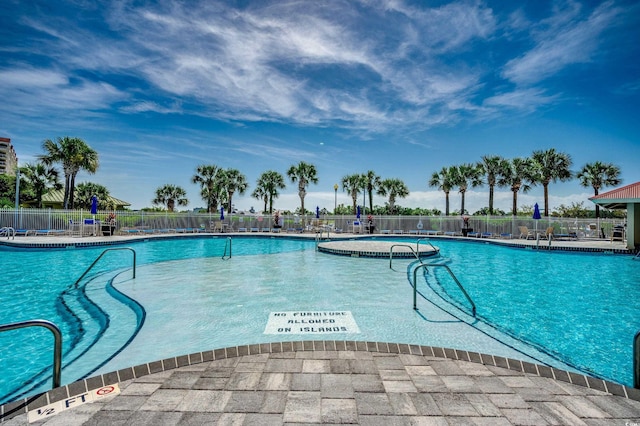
(564, 41)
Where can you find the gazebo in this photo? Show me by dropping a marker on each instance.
(627, 197)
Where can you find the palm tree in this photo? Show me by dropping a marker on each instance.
(443, 180)
(492, 167)
(598, 175)
(234, 181)
(74, 154)
(550, 166)
(352, 184)
(304, 174)
(41, 178)
(86, 190)
(371, 183)
(518, 174)
(209, 178)
(169, 195)
(269, 183)
(465, 176)
(395, 188)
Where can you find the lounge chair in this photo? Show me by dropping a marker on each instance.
(486, 235)
(548, 233)
(525, 233)
(473, 234)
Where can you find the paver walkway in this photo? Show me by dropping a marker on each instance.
(375, 384)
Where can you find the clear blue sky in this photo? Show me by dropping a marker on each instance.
(402, 88)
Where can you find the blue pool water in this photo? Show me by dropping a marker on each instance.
(579, 308)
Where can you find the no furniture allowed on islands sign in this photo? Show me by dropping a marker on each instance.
(317, 322)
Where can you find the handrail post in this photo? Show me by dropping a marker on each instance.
(636, 361)
(57, 343)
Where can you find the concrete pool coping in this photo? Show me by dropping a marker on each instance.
(319, 382)
(155, 386)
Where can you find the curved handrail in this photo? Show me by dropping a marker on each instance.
(423, 239)
(415, 286)
(75, 285)
(400, 245)
(227, 243)
(11, 232)
(636, 361)
(57, 343)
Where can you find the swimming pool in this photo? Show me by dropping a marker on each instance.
(581, 309)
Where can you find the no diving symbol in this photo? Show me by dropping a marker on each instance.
(105, 390)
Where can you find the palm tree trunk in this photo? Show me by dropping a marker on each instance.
(446, 204)
(491, 199)
(462, 202)
(67, 178)
(546, 200)
(595, 193)
(72, 185)
(371, 201)
(514, 207)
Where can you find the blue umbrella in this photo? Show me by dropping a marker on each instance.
(221, 213)
(536, 215)
(94, 205)
(317, 212)
(358, 212)
(536, 212)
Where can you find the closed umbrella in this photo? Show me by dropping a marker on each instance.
(221, 213)
(94, 206)
(536, 215)
(317, 212)
(358, 212)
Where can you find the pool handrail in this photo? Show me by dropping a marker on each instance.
(11, 232)
(227, 243)
(401, 245)
(57, 343)
(425, 265)
(636, 361)
(425, 239)
(75, 285)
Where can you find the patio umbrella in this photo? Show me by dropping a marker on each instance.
(317, 212)
(94, 206)
(358, 212)
(221, 213)
(536, 215)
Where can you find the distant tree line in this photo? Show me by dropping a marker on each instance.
(218, 185)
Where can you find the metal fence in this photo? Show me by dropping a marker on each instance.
(34, 219)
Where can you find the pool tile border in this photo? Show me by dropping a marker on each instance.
(25, 405)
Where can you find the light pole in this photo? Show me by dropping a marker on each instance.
(335, 200)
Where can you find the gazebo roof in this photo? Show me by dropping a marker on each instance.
(57, 198)
(619, 198)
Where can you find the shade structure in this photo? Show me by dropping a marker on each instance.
(94, 205)
(221, 213)
(358, 212)
(317, 212)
